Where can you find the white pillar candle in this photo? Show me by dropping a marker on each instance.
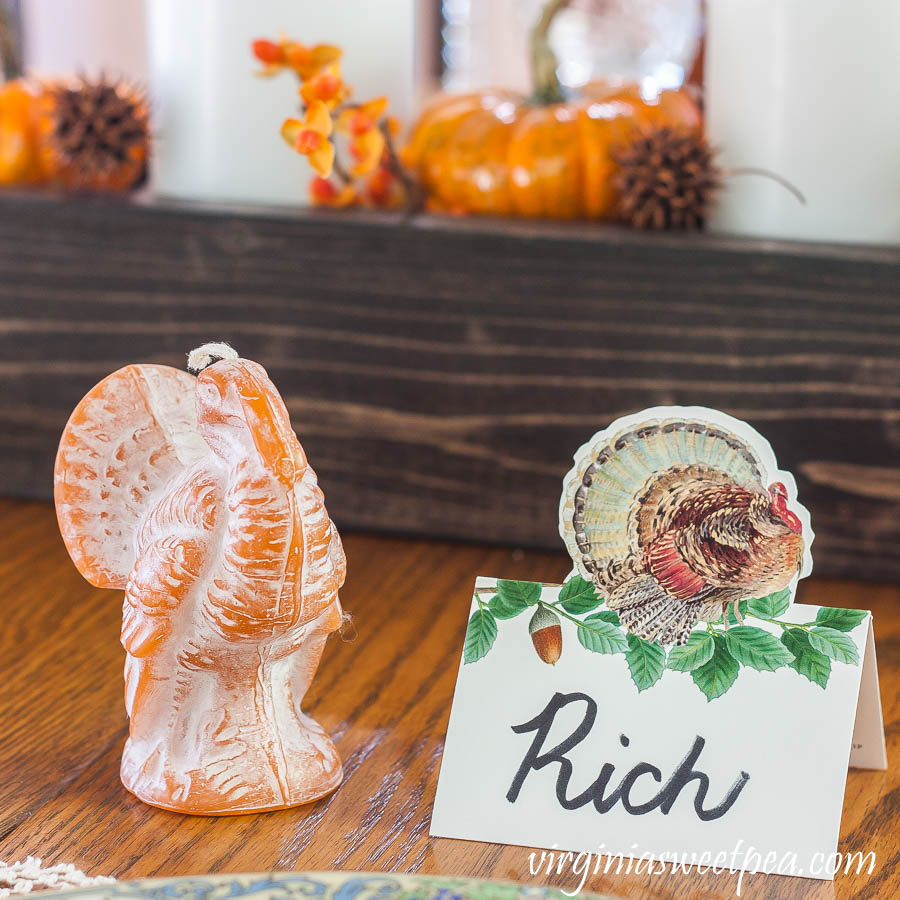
(217, 124)
(84, 36)
(807, 89)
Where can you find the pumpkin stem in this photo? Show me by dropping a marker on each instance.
(544, 63)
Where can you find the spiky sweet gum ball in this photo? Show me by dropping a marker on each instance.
(667, 179)
(97, 134)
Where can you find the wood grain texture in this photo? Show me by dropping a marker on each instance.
(385, 697)
(441, 373)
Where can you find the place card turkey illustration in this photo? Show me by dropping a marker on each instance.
(670, 699)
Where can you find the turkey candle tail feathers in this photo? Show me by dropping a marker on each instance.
(669, 514)
(126, 440)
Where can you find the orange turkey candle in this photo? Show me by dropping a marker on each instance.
(195, 497)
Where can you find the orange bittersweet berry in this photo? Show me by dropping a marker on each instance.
(309, 136)
(324, 193)
(268, 52)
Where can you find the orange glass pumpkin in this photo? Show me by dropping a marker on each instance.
(499, 153)
(19, 124)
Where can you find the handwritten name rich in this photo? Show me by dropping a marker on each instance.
(601, 792)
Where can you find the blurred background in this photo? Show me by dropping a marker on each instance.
(798, 89)
(465, 234)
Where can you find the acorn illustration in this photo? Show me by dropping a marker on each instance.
(546, 635)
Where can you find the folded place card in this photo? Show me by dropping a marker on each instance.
(669, 700)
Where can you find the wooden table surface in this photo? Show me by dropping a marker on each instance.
(386, 699)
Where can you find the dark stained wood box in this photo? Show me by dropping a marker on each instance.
(441, 373)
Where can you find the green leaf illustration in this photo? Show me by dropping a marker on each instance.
(514, 597)
(834, 644)
(770, 606)
(840, 619)
(601, 636)
(480, 635)
(578, 596)
(808, 661)
(757, 648)
(719, 674)
(525, 592)
(503, 610)
(607, 615)
(697, 651)
(646, 662)
(815, 666)
(796, 640)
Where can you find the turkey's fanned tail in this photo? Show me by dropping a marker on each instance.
(122, 445)
(616, 499)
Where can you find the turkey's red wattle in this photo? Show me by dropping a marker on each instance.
(778, 493)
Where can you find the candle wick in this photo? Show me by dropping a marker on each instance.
(206, 355)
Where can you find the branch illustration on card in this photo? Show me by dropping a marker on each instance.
(712, 654)
(676, 627)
